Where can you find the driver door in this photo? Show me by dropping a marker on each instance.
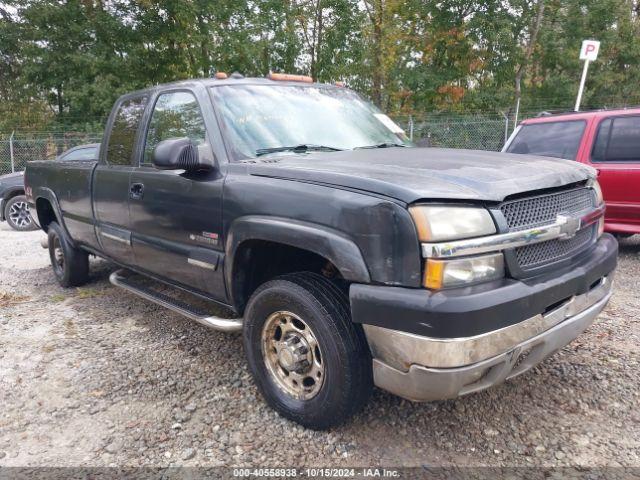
(176, 216)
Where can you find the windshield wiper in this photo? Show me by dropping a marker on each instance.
(382, 145)
(303, 147)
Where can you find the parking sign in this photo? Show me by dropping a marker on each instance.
(589, 50)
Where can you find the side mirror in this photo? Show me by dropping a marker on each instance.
(178, 154)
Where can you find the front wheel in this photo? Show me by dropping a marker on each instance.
(309, 360)
(17, 214)
(70, 265)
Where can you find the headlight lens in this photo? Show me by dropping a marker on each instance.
(463, 271)
(437, 223)
(596, 188)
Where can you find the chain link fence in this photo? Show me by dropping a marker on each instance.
(17, 149)
(478, 132)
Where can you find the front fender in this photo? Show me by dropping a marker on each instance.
(321, 240)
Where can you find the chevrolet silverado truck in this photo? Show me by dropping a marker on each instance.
(347, 257)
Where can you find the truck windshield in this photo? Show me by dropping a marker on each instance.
(549, 139)
(262, 119)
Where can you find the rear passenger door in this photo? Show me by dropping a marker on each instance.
(616, 156)
(111, 179)
(177, 215)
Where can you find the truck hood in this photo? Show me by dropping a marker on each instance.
(411, 174)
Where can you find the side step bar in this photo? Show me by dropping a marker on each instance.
(222, 324)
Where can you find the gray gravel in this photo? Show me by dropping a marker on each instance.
(93, 376)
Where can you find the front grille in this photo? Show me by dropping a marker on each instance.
(538, 254)
(543, 210)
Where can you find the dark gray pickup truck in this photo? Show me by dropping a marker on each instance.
(347, 257)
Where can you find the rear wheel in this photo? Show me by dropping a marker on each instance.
(70, 265)
(17, 214)
(309, 360)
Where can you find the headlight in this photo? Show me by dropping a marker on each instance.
(599, 201)
(440, 223)
(596, 188)
(463, 271)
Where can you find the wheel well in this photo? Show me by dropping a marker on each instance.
(258, 261)
(45, 212)
(14, 193)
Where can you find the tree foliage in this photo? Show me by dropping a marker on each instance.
(64, 62)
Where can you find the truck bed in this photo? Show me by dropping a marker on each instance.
(70, 183)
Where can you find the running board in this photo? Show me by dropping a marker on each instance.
(222, 324)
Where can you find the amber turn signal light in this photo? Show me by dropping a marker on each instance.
(433, 274)
(288, 77)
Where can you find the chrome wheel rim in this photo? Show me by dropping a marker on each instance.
(292, 355)
(58, 255)
(19, 214)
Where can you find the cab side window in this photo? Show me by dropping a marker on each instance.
(122, 139)
(618, 140)
(175, 115)
(81, 154)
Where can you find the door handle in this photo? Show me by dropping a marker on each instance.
(136, 191)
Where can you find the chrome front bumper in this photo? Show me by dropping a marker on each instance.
(422, 369)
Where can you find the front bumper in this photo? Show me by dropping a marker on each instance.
(400, 358)
(2, 210)
(441, 345)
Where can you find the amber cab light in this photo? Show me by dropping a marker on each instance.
(288, 77)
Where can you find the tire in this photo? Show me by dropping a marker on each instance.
(335, 374)
(70, 265)
(17, 215)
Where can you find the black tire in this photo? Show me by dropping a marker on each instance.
(16, 213)
(346, 359)
(70, 265)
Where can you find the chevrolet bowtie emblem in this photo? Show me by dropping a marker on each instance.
(568, 226)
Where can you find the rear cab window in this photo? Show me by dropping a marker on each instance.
(549, 139)
(122, 139)
(617, 140)
(81, 154)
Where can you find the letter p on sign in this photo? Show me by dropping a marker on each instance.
(589, 50)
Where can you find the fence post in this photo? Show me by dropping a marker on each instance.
(506, 127)
(13, 167)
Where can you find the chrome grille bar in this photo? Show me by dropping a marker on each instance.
(563, 228)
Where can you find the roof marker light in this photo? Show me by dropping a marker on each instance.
(287, 77)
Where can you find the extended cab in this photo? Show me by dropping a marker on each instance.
(607, 140)
(348, 257)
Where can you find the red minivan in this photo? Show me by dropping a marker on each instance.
(607, 140)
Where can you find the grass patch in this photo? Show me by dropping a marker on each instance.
(58, 298)
(8, 299)
(70, 328)
(88, 292)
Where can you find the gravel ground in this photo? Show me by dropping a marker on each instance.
(96, 377)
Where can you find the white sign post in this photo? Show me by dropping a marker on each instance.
(588, 53)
